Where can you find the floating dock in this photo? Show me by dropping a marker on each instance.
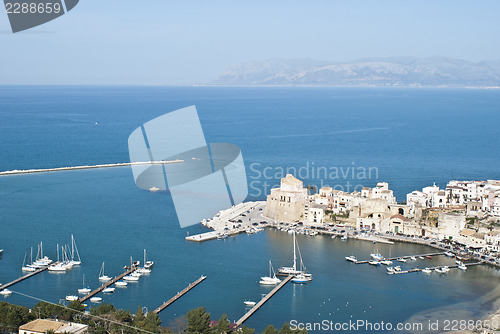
(105, 285)
(402, 257)
(22, 278)
(262, 302)
(415, 270)
(179, 294)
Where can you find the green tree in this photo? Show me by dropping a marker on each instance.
(287, 330)
(198, 321)
(222, 326)
(270, 330)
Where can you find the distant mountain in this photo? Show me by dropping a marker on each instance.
(397, 71)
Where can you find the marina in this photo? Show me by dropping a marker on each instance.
(107, 284)
(22, 278)
(432, 269)
(404, 257)
(179, 294)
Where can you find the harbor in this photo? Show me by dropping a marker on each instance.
(179, 294)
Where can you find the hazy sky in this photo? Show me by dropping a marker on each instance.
(182, 42)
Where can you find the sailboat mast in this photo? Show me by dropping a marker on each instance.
(72, 248)
(57, 252)
(294, 253)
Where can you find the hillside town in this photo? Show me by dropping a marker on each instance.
(466, 212)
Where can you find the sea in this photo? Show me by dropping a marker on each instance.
(345, 138)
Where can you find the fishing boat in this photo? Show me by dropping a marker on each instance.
(271, 279)
(5, 292)
(71, 298)
(300, 279)
(75, 256)
(351, 258)
(121, 283)
(108, 290)
(102, 276)
(85, 289)
(249, 303)
(96, 299)
(426, 271)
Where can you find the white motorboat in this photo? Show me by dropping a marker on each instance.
(121, 283)
(390, 269)
(421, 258)
(426, 271)
(374, 263)
(300, 279)
(344, 237)
(271, 279)
(249, 303)
(413, 258)
(446, 269)
(376, 256)
(397, 268)
(108, 290)
(102, 276)
(449, 254)
(136, 274)
(96, 299)
(386, 262)
(439, 270)
(71, 298)
(351, 258)
(5, 292)
(143, 270)
(462, 266)
(58, 267)
(131, 278)
(402, 260)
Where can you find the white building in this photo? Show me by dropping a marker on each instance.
(286, 203)
(42, 326)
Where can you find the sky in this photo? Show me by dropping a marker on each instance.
(165, 42)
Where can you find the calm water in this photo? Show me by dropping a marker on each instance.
(413, 137)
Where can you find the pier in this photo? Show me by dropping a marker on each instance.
(22, 278)
(60, 169)
(105, 285)
(402, 257)
(262, 302)
(179, 295)
(415, 270)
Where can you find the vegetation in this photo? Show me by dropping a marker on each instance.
(106, 318)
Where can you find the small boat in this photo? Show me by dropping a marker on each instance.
(84, 291)
(462, 266)
(429, 257)
(374, 263)
(402, 260)
(446, 269)
(136, 274)
(426, 271)
(148, 264)
(121, 283)
(131, 278)
(102, 276)
(397, 268)
(96, 299)
(344, 237)
(75, 256)
(222, 236)
(29, 267)
(292, 270)
(386, 262)
(449, 254)
(440, 270)
(351, 258)
(421, 257)
(458, 262)
(71, 298)
(333, 236)
(5, 292)
(249, 303)
(271, 279)
(143, 270)
(390, 269)
(109, 290)
(376, 256)
(413, 258)
(300, 279)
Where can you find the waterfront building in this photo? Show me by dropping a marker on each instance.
(40, 326)
(286, 203)
(314, 214)
(492, 240)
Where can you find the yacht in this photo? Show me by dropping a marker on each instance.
(291, 270)
(439, 270)
(121, 283)
(96, 299)
(148, 264)
(271, 279)
(344, 237)
(374, 263)
(413, 258)
(131, 278)
(426, 271)
(108, 290)
(28, 267)
(75, 256)
(85, 289)
(462, 266)
(397, 268)
(376, 256)
(402, 260)
(249, 303)
(446, 269)
(449, 254)
(71, 298)
(300, 279)
(386, 262)
(102, 276)
(390, 269)
(5, 292)
(351, 258)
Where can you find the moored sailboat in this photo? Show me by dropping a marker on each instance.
(271, 279)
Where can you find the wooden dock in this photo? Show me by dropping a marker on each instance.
(402, 257)
(262, 302)
(415, 270)
(179, 294)
(105, 285)
(22, 278)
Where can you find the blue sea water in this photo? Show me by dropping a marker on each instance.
(410, 137)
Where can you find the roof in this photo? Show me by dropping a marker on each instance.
(403, 218)
(42, 325)
(467, 232)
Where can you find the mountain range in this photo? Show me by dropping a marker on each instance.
(394, 71)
